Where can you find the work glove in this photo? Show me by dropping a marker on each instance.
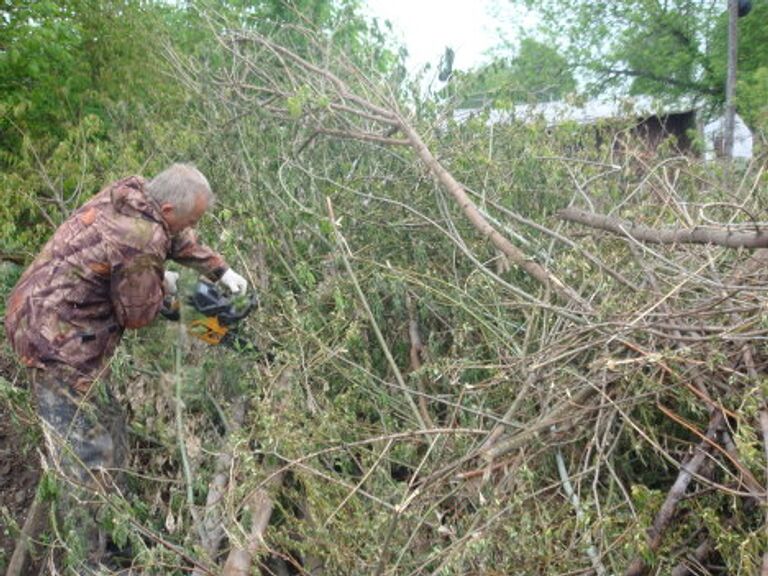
(234, 282)
(170, 280)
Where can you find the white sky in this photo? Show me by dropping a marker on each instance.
(470, 27)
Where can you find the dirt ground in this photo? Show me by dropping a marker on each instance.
(19, 473)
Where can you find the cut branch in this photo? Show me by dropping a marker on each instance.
(446, 179)
(697, 235)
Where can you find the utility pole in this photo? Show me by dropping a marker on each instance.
(730, 82)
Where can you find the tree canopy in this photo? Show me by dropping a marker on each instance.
(536, 73)
(664, 49)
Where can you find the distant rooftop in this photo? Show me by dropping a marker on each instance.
(628, 108)
(589, 112)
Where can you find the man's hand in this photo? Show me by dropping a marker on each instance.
(234, 282)
(169, 283)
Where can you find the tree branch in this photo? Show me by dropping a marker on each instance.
(676, 493)
(661, 79)
(696, 235)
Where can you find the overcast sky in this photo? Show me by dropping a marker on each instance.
(470, 27)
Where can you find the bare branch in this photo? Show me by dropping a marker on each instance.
(698, 235)
(348, 134)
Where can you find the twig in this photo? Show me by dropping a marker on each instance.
(343, 251)
(364, 136)
(362, 481)
(594, 557)
(764, 429)
(35, 523)
(555, 416)
(676, 493)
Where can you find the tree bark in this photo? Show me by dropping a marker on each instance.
(455, 189)
(696, 235)
(730, 82)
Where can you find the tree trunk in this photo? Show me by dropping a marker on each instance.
(730, 83)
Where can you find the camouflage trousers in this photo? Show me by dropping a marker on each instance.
(85, 434)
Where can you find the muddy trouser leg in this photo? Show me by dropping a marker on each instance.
(86, 443)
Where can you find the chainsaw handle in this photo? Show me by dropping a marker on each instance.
(171, 309)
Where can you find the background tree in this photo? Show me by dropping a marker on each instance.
(665, 49)
(536, 73)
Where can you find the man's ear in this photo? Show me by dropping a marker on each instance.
(166, 208)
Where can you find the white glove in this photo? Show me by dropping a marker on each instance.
(234, 282)
(169, 282)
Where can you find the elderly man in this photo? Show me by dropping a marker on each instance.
(101, 273)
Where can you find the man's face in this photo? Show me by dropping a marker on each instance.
(180, 221)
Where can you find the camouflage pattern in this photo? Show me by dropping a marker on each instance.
(100, 273)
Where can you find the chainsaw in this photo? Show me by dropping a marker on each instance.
(213, 315)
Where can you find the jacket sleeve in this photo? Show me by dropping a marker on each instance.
(137, 290)
(187, 251)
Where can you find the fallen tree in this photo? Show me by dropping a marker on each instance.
(630, 337)
(461, 382)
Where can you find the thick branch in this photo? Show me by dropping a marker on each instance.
(698, 557)
(446, 179)
(33, 526)
(259, 503)
(240, 559)
(697, 235)
(417, 350)
(764, 429)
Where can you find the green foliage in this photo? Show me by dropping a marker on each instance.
(668, 50)
(65, 70)
(536, 73)
(361, 485)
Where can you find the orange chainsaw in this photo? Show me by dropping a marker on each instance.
(213, 315)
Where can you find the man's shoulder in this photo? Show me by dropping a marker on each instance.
(130, 221)
(136, 233)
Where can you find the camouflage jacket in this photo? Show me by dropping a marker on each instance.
(101, 272)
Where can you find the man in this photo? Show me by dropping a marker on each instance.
(101, 273)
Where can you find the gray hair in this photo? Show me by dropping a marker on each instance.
(179, 185)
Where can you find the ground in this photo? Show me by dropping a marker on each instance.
(19, 473)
